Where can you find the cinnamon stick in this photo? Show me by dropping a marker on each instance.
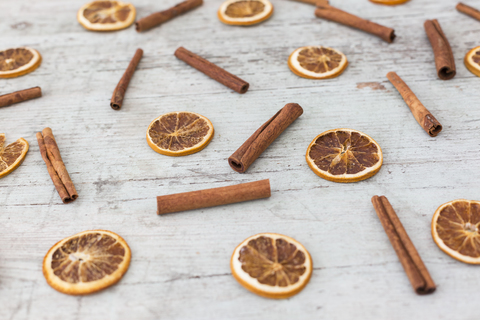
(442, 51)
(20, 96)
(241, 159)
(119, 92)
(212, 70)
(411, 261)
(158, 18)
(213, 197)
(326, 11)
(55, 166)
(472, 12)
(314, 2)
(421, 114)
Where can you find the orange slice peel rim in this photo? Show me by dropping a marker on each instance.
(84, 288)
(389, 2)
(186, 151)
(33, 64)
(267, 291)
(440, 242)
(297, 69)
(118, 25)
(345, 178)
(245, 21)
(471, 65)
(9, 169)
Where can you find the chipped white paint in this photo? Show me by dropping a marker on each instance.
(180, 262)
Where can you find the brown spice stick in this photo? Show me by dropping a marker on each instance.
(119, 92)
(421, 114)
(51, 171)
(158, 18)
(326, 11)
(472, 12)
(213, 197)
(212, 70)
(55, 166)
(411, 261)
(20, 96)
(241, 159)
(442, 51)
(314, 2)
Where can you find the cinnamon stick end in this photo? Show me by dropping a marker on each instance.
(115, 106)
(236, 165)
(391, 36)
(138, 27)
(446, 73)
(177, 52)
(425, 290)
(69, 199)
(431, 125)
(244, 88)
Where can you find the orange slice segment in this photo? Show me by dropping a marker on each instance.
(272, 265)
(18, 61)
(456, 230)
(106, 15)
(11, 156)
(86, 262)
(179, 133)
(389, 2)
(344, 155)
(472, 61)
(245, 12)
(317, 62)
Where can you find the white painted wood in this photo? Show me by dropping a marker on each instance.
(180, 264)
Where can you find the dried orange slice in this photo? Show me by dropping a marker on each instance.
(245, 12)
(389, 2)
(11, 156)
(179, 133)
(86, 262)
(472, 61)
(317, 62)
(344, 155)
(18, 61)
(106, 15)
(456, 230)
(271, 265)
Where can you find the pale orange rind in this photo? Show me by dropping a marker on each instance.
(86, 262)
(317, 62)
(456, 230)
(179, 133)
(106, 15)
(12, 155)
(245, 12)
(344, 155)
(271, 265)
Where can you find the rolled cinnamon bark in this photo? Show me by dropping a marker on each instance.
(158, 18)
(472, 12)
(444, 60)
(421, 114)
(119, 92)
(411, 261)
(241, 159)
(326, 11)
(212, 70)
(314, 2)
(55, 166)
(20, 96)
(213, 197)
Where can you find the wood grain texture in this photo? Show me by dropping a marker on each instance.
(180, 262)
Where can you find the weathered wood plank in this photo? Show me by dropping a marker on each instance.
(180, 265)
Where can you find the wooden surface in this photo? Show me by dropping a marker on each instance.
(180, 262)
